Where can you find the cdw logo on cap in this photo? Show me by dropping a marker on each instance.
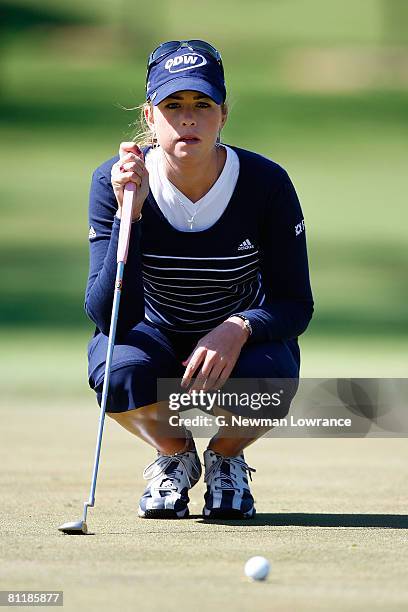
(187, 61)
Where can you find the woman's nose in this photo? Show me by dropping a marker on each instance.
(188, 119)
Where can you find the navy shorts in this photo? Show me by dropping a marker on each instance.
(146, 353)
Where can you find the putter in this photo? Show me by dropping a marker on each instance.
(80, 527)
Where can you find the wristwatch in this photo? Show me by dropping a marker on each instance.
(246, 321)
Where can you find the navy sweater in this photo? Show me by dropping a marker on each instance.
(253, 260)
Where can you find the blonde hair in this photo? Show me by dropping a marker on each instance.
(142, 134)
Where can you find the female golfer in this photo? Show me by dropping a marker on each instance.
(216, 284)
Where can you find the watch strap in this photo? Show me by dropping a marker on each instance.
(246, 321)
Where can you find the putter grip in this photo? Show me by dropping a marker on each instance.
(125, 222)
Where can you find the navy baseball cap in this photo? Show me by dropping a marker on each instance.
(185, 68)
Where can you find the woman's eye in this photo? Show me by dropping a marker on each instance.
(172, 105)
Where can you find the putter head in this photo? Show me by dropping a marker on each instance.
(74, 528)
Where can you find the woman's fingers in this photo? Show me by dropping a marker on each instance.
(199, 382)
(209, 374)
(219, 350)
(203, 376)
(213, 380)
(128, 157)
(131, 165)
(130, 171)
(122, 176)
(195, 361)
(126, 148)
(223, 377)
(131, 158)
(130, 168)
(126, 177)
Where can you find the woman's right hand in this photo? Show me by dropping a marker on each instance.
(130, 168)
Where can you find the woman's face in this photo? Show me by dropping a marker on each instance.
(186, 124)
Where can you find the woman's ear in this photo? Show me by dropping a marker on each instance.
(224, 114)
(148, 115)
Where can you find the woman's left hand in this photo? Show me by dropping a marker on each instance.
(218, 351)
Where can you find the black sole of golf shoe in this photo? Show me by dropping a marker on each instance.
(162, 514)
(237, 515)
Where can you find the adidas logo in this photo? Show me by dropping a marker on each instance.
(92, 233)
(247, 244)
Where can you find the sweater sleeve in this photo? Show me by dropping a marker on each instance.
(103, 244)
(288, 305)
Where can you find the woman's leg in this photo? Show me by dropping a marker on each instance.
(151, 424)
(228, 494)
(176, 467)
(274, 360)
(144, 355)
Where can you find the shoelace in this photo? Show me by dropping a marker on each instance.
(159, 465)
(227, 482)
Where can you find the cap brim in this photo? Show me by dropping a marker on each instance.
(187, 84)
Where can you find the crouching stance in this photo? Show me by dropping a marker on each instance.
(216, 285)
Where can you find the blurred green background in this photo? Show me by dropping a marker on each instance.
(320, 87)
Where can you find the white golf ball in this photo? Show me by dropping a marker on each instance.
(257, 568)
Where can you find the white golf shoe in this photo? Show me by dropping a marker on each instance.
(228, 495)
(170, 477)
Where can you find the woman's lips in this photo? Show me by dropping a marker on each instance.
(189, 139)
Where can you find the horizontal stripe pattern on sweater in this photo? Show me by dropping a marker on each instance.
(194, 294)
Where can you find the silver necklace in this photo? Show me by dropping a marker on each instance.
(189, 219)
